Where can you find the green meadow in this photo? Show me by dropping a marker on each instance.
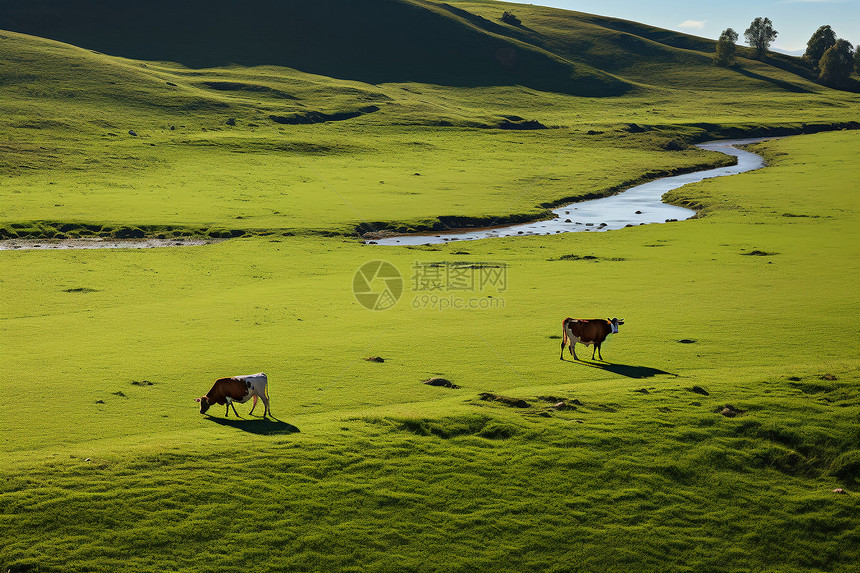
(745, 310)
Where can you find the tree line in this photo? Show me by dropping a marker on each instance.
(832, 59)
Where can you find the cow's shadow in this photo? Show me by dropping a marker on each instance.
(628, 370)
(259, 426)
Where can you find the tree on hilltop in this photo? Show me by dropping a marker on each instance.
(837, 63)
(725, 52)
(759, 35)
(823, 38)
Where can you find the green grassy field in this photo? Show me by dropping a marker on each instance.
(108, 466)
(388, 473)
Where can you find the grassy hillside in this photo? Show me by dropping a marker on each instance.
(642, 472)
(644, 54)
(380, 41)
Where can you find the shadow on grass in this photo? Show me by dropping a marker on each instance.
(788, 86)
(624, 369)
(259, 426)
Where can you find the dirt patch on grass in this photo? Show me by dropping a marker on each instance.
(519, 123)
(441, 382)
(729, 411)
(312, 117)
(593, 258)
(504, 400)
(758, 253)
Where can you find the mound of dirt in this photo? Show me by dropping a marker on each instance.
(521, 124)
(758, 253)
(312, 117)
(375, 359)
(441, 382)
(506, 400)
(729, 411)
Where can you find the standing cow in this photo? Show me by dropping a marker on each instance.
(237, 389)
(587, 331)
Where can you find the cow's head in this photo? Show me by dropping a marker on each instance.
(615, 322)
(204, 404)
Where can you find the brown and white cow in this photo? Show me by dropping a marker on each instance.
(587, 331)
(237, 389)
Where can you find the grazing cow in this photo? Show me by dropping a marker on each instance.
(587, 331)
(237, 389)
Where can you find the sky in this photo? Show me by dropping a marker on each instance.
(794, 20)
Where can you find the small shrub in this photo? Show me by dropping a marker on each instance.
(509, 18)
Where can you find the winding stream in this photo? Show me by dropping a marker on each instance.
(638, 205)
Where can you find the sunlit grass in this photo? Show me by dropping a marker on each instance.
(108, 466)
(643, 471)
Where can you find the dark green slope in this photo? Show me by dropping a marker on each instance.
(373, 41)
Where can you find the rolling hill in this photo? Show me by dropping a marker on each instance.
(461, 43)
(375, 42)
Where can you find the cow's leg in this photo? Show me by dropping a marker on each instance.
(266, 409)
(231, 405)
(254, 405)
(564, 338)
(573, 349)
(597, 349)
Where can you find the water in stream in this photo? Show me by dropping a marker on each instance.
(638, 205)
